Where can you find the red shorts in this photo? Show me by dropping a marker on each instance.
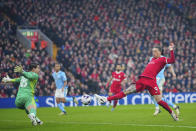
(149, 84)
(115, 89)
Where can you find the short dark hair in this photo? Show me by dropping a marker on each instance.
(57, 63)
(160, 49)
(32, 66)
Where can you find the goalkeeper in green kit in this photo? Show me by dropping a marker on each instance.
(25, 96)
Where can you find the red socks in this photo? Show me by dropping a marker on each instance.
(115, 103)
(117, 96)
(165, 105)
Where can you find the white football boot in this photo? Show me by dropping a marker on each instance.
(174, 116)
(157, 111)
(39, 122)
(177, 110)
(101, 99)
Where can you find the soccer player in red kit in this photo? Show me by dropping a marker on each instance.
(147, 80)
(118, 77)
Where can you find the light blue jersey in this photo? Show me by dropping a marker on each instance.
(161, 75)
(59, 78)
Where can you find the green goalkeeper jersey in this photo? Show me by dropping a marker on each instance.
(28, 81)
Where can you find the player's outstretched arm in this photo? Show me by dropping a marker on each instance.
(172, 71)
(30, 75)
(7, 79)
(172, 57)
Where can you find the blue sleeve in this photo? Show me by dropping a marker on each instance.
(168, 65)
(64, 78)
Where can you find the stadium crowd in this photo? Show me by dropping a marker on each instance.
(13, 53)
(94, 36)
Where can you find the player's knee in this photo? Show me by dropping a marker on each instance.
(158, 98)
(57, 100)
(63, 100)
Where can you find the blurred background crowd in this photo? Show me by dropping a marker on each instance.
(94, 36)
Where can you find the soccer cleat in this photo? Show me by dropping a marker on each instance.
(33, 119)
(62, 113)
(174, 116)
(112, 109)
(39, 122)
(177, 111)
(101, 99)
(157, 111)
(75, 100)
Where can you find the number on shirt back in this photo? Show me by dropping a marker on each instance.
(23, 82)
(156, 88)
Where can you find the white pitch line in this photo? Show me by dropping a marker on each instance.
(109, 123)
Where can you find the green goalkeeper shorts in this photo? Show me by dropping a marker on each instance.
(22, 102)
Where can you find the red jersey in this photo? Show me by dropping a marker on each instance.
(117, 78)
(156, 65)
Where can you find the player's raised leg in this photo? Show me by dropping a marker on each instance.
(69, 99)
(120, 95)
(137, 88)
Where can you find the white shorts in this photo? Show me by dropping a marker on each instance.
(59, 93)
(160, 83)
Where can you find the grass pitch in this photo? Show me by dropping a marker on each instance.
(123, 118)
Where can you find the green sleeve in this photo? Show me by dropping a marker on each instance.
(15, 80)
(30, 75)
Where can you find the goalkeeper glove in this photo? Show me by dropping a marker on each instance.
(18, 69)
(6, 79)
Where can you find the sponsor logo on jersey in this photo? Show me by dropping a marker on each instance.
(114, 79)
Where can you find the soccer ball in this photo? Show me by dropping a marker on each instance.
(86, 99)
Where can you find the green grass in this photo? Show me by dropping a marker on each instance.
(124, 118)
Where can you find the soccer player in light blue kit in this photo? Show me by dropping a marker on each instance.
(160, 78)
(61, 88)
